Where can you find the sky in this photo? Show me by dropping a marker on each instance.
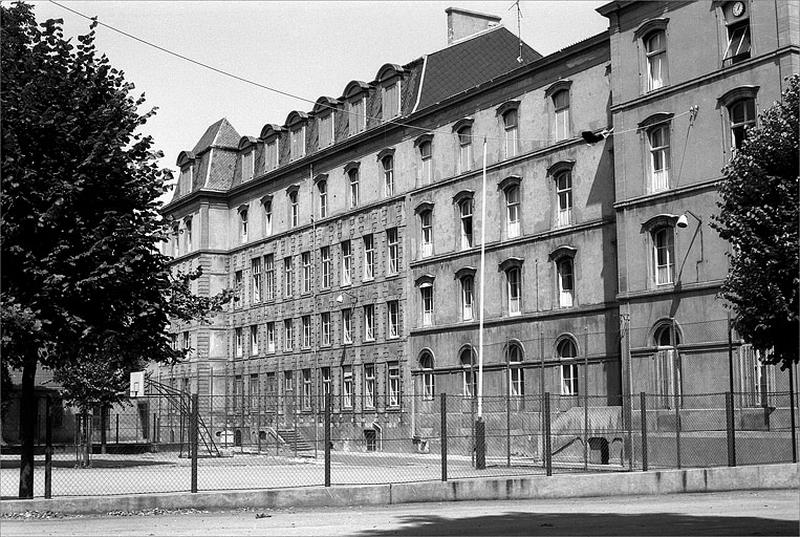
(308, 49)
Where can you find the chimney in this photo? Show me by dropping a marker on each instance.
(463, 23)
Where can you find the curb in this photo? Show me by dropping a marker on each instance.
(762, 477)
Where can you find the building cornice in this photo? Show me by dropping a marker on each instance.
(659, 197)
(667, 290)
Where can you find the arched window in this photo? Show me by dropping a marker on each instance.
(467, 359)
(388, 175)
(510, 127)
(564, 195)
(516, 375)
(426, 232)
(567, 352)
(742, 114)
(465, 149)
(266, 203)
(667, 362)
(561, 107)
(428, 379)
(666, 335)
(514, 290)
(659, 141)
(655, 45)
(465, 212)
(663, 255)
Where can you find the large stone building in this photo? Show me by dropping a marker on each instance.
(352, 232)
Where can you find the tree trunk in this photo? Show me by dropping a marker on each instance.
(27, 428)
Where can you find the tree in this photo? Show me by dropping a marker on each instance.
(759, 217)
(85, 291)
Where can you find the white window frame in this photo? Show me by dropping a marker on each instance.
(354, 180)
(426, 297)
(514, 290)
(564, 198)
(322, 191)
(566, 293)
(294, 209)
(288, 276)
(393, 247)
(305, 394)
(369, 322)
(561, 114)
(390, 104)
(369, 257)
(239, 341)
(271, 336)
(325, 255)
(347, 386)
(393, 318)
(347, 262)
(269, 277)
(426, 233)
(288, 334)
(325, 329)
(255, 273)
(467, 297)
(660, 156)
(387, 163)
(369, 385)
(663, 272)
(248, 166)
(271, 155)
(306, 260)
(512, 211)
(305, 322)
(297, 148)
(358, 116)
(656, 59)
(428, 377)
(511, 133)
(465, 157)
(466, 211)
(426, 162)
(347, 326)
(253, 340)
(268, 217)
(393, 373)
(243, 226)
(569, 379)
(326, 130)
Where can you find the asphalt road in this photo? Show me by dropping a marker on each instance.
(728, 513)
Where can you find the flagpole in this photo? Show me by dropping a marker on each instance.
(481, 446)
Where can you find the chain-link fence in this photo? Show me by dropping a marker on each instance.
(179, 442)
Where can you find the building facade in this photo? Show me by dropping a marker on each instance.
(351, 233)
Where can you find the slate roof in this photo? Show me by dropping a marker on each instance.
(472, 62)
(220, 134)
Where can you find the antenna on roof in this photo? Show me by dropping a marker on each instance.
(519, 29)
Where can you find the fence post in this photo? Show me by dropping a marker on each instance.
(585, 425)
(48, 449)
(103, 415)
(731, 429)
(116, 429)
(443, 412)
(508, 427)
(294, 419)
(328, 440)
(548, 455)
(677, 429)
(193, 447)
(643, 403)
(480, 444)
(791, 412)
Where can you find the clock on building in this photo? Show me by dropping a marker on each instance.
(738, 9)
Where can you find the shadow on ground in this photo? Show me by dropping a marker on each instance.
(516, 523)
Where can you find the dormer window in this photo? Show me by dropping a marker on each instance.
(247, 166)
(391, 101)
(298, 141)
(326, 130)
(271, 155)
(185, 180)
(358, 116)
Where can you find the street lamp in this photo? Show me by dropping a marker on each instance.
(340, 297)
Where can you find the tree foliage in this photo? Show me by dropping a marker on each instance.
(759, 217)
(85, 291)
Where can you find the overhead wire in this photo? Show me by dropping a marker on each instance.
(607, 133)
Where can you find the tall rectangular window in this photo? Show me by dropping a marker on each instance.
(298, 143)
(288, 276)
(325, 328)
(269, 276)
(426, 232)
(369, 385)
(514, 289)
(391, 101)
(247, 166)
(358, 117)
(426, 162)
(394, 250)
(510, 129)
(369, 322)
(347, 386)
(566, 282)
(322, 189)
(270, 336)
(355, 190)
(347, 263)
(186, 341)
(187, 226)
(664, 255)
(306, 393)
(394, 384)
(326, 130)
(369, 257)
(465, 210)
(561, 106)
(512, 211)
(254, 340)
(271, 155)
(738, 43)
(564, 195)
(388, 176)
(393, 318)
(288, 334)
(267, 216)
(325, 255)
(243, 226)
(288, 381)
(659, 158)
(347, 325)
(467, 297)
(255, 271)
(465, 149)
(325, 374)
(306, 259)
(427, 305)
(239, 341)
(655, 45)
(294, 209)
(569, 379)
(306, 322)
(253, 392)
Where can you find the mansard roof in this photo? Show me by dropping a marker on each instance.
(220, 134)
